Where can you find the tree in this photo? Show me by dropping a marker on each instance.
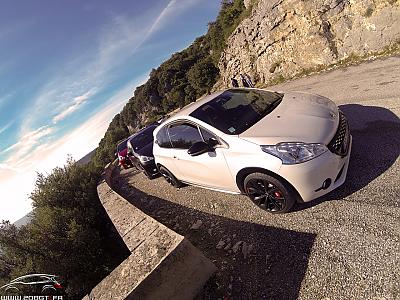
(202, 76)
(69, 234)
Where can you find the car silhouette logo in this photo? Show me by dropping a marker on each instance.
(45, 282)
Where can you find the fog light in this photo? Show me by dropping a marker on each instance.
(326, 184)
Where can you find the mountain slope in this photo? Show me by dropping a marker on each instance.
(283, 38)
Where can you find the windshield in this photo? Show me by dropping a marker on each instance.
(236, 110)
(122, 146)
(142, 139)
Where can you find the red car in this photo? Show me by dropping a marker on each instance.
(122, 152)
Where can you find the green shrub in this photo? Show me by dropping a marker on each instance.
(69, 235)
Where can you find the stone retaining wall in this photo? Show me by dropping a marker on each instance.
(163, 264)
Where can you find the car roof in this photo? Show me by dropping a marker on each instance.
(141, 131)
(122, 141)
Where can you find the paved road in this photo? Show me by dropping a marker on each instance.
(344, 246)
(371, 81)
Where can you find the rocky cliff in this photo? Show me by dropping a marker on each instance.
(284, 38)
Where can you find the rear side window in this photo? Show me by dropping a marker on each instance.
(183, 136)
(162, 138)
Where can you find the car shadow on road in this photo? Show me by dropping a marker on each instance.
(376, 147)
(253, 261)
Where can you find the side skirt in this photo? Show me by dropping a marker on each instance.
(212, 188)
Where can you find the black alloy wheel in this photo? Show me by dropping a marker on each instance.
(269, 193)
(169, 177)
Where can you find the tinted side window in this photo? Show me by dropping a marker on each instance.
(163, 139)
(122, 146)
(209, 137)
(141, 140)
(184, 135)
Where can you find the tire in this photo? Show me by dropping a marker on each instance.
(269, 193)
(169, 177)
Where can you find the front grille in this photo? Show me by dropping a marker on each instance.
(340, 142)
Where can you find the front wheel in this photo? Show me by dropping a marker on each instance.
(169, 177)
(269, 193)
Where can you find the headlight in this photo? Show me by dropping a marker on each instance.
(145, 159)
(295, 153)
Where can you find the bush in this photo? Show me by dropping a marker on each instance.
(69, 235)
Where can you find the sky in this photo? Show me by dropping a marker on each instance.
(67, 67)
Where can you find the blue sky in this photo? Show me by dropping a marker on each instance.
(67, 67)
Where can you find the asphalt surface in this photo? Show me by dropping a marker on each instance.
(343, 246)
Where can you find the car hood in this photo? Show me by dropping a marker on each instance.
(300, 117)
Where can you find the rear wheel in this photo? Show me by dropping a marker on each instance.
(269, 193)
(170, 178)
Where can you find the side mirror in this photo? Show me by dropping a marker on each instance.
(199, 148)
(212, 142)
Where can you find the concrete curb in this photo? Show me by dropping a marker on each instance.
(162, 264)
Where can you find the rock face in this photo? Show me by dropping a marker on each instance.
(287, 37)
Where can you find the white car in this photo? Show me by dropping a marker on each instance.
(276, 148)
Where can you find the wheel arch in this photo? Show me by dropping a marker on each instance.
(241, 175)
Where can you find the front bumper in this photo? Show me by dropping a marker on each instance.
(148, 167)
(308, 177)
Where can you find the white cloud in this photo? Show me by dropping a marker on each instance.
(116, 43)
(18, 174)
(78, 101)
(169, 13)
(33, 152)
(5, 127)
(27, 142)
(94, 68)
(7, 168)
(3, 99)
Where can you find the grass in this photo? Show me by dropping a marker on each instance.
(277, 80)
